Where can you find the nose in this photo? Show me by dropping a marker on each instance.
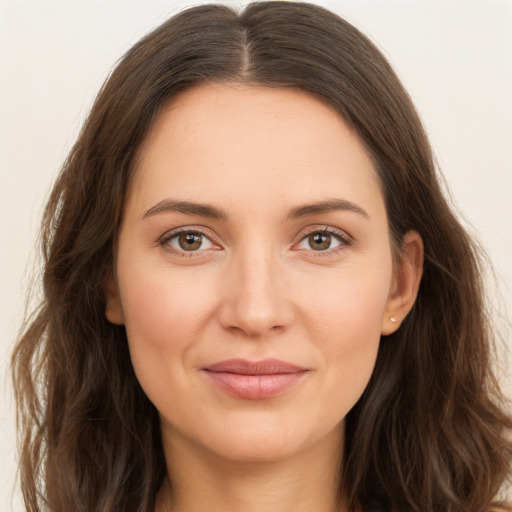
(256, 296)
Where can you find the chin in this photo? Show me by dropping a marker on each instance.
(260, 443)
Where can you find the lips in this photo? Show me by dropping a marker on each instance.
(254, 380)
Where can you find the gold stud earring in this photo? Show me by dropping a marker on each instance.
(392, 319)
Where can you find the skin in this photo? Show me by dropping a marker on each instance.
(258, 285)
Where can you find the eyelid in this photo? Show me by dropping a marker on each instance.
(325, 228)
(163, 241)
(342, 236)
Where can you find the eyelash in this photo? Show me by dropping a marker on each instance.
(164, 242)
(343, 239)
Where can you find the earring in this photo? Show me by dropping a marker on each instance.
(392, 319)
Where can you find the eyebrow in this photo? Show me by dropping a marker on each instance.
(212, 212)
(330, 205)
(203, 210)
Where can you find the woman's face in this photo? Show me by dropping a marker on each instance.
(254, 271)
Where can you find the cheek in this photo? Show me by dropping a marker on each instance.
(164, 312)
(160, 302)
(345, 322)
(349, 304)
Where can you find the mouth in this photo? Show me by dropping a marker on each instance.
(255, 380)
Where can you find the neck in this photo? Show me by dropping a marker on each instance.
(201, 480)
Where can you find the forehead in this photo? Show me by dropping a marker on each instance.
(229, 140)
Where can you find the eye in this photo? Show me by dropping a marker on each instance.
(322, 241)
(188, 241)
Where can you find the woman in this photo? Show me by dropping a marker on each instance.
(256, 296)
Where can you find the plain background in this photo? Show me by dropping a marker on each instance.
(454, 57)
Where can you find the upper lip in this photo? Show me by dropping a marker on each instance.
(262, 367)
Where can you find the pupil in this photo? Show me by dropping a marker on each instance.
(319, 241)
(190, 241)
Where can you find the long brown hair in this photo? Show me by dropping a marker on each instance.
(430, 431)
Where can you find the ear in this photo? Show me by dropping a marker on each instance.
(405, 283)
(113, 308)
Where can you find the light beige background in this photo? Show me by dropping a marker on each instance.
(455, 58)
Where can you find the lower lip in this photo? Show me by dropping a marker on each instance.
(255, 387)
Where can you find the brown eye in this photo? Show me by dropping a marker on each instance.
(323, 241)
(319, 241)
(190, 241)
